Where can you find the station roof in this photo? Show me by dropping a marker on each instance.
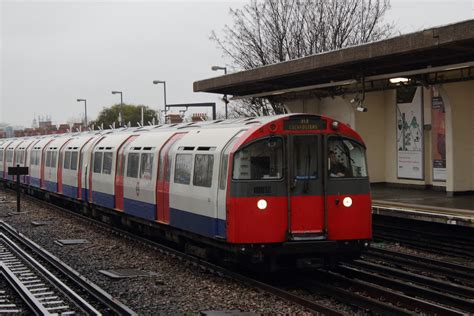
(424, 50)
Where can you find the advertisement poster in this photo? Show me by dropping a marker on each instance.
(409, 133)
(438, 135)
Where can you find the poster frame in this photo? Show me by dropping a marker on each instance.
(422, 124)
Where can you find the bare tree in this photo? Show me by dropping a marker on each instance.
(271, 31)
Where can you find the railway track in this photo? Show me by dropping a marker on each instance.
(439, 238)
(23, 266)
(361, 285)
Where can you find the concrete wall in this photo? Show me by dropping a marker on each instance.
(378, 129)
(460, 97)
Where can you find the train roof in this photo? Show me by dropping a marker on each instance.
(185, 126)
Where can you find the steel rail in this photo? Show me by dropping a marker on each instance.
(72, 275)
(409, 289)
(47, 275)
(440, 285)
(33, 303)
(385, 297)
(449, 270)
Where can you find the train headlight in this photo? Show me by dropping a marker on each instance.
(347, 201)
(262, 204)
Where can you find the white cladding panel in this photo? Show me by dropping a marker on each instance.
(77, 144)
(139, 188)
(192, 198)
(51, 172)
(101, 181)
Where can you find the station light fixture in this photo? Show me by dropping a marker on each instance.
(361, 108)
(399, 80)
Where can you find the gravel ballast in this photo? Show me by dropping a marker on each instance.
(176, 288)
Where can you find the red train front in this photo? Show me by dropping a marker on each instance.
(299, 190)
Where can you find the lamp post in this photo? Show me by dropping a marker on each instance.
(121, 107)
(164, 92)
(226, 101)
(85, 111)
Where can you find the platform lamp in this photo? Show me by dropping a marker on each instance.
(226, 101)
(85, 111)
(121, 107)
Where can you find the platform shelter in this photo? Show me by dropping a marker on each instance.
(411, 97)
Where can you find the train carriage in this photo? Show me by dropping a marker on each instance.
(22, 153)
(53, 164)
(287, 187)
(10, 156)
(3, 153)
(37, 155)
(72, 178)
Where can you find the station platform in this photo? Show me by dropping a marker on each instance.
(423, 204)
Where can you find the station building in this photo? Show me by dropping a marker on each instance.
(410, 97)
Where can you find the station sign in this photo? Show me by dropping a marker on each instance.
(12, 171)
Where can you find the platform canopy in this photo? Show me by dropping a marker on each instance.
(435, 55)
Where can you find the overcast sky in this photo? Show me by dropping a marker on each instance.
(53, 52)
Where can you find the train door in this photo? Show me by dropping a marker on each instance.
(305, 180)
(120, 167)
(163, 183)
(223, 179)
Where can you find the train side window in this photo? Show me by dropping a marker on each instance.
(97, 162)
(132, 165)
(9, 156)
(67, 160)
(54, 156)
(107, 163)
(38, 158)
(182, 172)
(74, 160)
(48, 159)
(1, 155)
(305, 157)
(146, 166)
(223, 172)
(203, 165)
(261, 160)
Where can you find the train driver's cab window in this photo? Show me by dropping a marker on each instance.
(305, 157)
(262, 160)
(346, 159)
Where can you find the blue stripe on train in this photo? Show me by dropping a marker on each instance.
(200, 224)
(103, 199)
(70, 190)
(139, 209)
(203, 225)
(51, 186)
(35, 182)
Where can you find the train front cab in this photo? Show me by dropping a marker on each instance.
(299, 188)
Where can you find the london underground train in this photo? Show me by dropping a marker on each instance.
(282, 190)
